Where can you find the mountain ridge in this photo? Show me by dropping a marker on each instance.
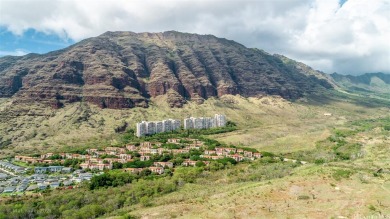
(124, 69)
(372, 84)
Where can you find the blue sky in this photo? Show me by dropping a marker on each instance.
(344, 36)
(30, 41)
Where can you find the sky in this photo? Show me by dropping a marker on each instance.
(344, 36)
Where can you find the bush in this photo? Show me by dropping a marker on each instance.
(227, 160)
(187, 174)
(372, 207)
(111, 178)
(341, 174)
(200, 164)
(145, 201)
(303, 197)
(138, 164)
(319, 161)
(267, 154)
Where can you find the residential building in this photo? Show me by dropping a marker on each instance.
(144, 158)
(54, 185)
(9, 189)
(42, 186)
(55, 168)
(159, 127)
(32, 187)
(188, 123)
(163, 164)
(67, 170)
(205, 122)
(141, 129)
(3, 176)
(167, 125)
(153, 127)
(174, 140)
(125, 156)
(52, 169)
(40, 170)
(175, 124)
(220, 120)
(158, 170)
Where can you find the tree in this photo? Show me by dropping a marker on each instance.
(187, 174)
(200, 164)
(117, 165)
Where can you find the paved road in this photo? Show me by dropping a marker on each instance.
(7, 172)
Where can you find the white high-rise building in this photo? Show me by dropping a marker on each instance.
(167, 125)
(159, 127)
(198, 123)
(208, 122)
(151, 128)
(220, 120)
(141, 129)
(188, 123)
(175, 124)
(205, 122)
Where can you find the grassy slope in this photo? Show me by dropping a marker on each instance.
(333, 190)
(276, 198)
(289, 127)
(268, 123)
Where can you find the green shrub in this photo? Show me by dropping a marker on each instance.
(145, 201)
(303, 197)
(267, 154)
(187, 174)
(341, 174)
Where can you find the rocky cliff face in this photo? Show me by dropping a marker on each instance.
(125, 69)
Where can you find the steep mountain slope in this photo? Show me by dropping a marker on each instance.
(125, 69)
(377, 84)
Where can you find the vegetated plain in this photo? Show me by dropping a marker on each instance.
(347, 174)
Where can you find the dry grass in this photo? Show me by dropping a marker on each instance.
(311, 193)
(268, 123)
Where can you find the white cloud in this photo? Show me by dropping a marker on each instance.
(17, 52)
(321, 33)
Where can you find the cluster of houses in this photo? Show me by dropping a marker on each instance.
(238, 154)
(145, 151)
(153, 127)
(52, 169)
(158, 168)
(7, 166)
(95, 159)
(42, 182)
